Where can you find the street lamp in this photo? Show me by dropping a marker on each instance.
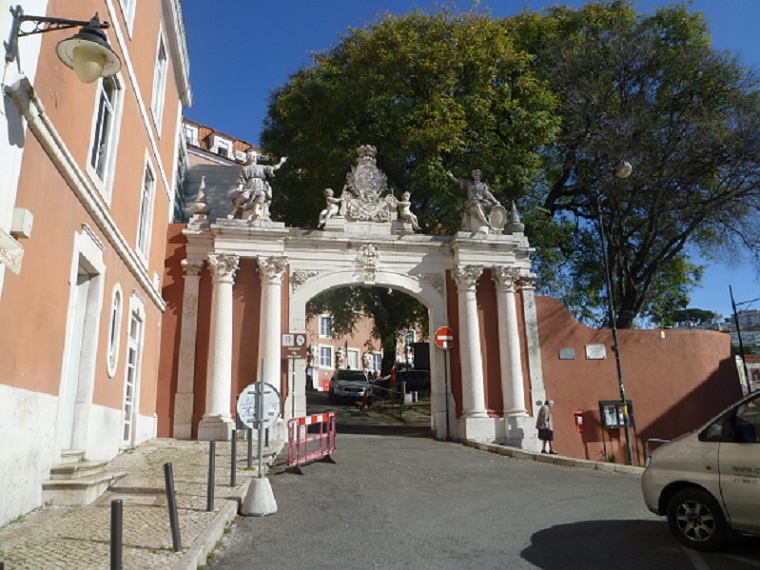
(622, 171)
(87, 52)
(684, 304)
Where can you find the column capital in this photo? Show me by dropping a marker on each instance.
(271, 269)
(505, 277)
(223, 266)
(528, 280)
(467, 277)
(192, 267)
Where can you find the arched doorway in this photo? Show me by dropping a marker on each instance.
(261, 274)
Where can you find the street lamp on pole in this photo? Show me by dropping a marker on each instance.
(622, 171)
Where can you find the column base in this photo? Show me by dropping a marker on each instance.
(183, 416)
(519, 432)
(215, 428)
(515, 413)
(478, 428)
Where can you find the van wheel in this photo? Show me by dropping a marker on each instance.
(696, 520)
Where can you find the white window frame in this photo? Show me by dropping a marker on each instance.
(114, 330)
(128, 11)
(325, 319)
(326, 356)
(191, 135)
(159, 83)
(377, 360)
(132, 372)
(104, 135)
(145, 211)
(353, 359)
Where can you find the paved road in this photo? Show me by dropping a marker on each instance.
(406, 501)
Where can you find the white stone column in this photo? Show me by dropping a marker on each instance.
(271, 270)
(183, 399)
(473, 391)
(535, 369)
(512, 390)
(217, 424)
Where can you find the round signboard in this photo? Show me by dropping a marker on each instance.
(444, 338)
(247, 409)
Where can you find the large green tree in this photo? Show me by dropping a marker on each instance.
(648, 89)
(433, 92)
(545, 105)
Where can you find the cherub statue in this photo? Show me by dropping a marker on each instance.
(332, 209)
(404, 211)
(253, 194)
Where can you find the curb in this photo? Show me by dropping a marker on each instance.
(564, 461)
(206, 542)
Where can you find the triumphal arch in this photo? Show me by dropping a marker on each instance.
(247, 280)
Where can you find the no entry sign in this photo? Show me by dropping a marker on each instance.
(444, 338)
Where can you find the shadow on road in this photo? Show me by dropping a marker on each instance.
(624, 544)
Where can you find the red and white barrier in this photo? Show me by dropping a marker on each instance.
(304, 447)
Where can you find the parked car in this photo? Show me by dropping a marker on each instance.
(707, 482)
(349, 384)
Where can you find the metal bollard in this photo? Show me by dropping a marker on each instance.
(250, 448)
(117, 526)
(211, 470)
(233, 461)
(171, 500)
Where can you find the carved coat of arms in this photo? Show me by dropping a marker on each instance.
(365, 197)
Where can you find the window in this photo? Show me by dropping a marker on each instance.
(353, 359)
(132, 373)
(377, 361)
(114, 328)
(224, 148)
(159, 84)
(105, 126)
(191, 135)
(128, 9)
(325, 326)
(325, 357)
(144, 222)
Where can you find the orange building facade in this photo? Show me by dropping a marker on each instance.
(89, 196)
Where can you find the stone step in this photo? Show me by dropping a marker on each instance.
(72, 456)
(78, 470)
(78, 491)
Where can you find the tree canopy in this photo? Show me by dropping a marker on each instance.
(545, 105)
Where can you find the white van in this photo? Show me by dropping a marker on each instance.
(708, 481)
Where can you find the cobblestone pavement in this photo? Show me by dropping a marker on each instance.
(52, 538)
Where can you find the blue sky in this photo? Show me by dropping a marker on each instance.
(240, 51)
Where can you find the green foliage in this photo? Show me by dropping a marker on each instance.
(545, 105)
(433, 93)
(652, 91)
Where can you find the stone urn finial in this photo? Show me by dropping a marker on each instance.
(515, 226)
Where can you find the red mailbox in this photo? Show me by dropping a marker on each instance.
(580, 425)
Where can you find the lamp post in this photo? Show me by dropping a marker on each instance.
(622, 171)
(684, 304)
(87, 52)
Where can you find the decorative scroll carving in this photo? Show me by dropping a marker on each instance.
(223, 266)
(363, 198)
(272, 268)
(192, 267)
(368, 255)
(301, 276)
(467, 277)
(505, 277)
(435, 279)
